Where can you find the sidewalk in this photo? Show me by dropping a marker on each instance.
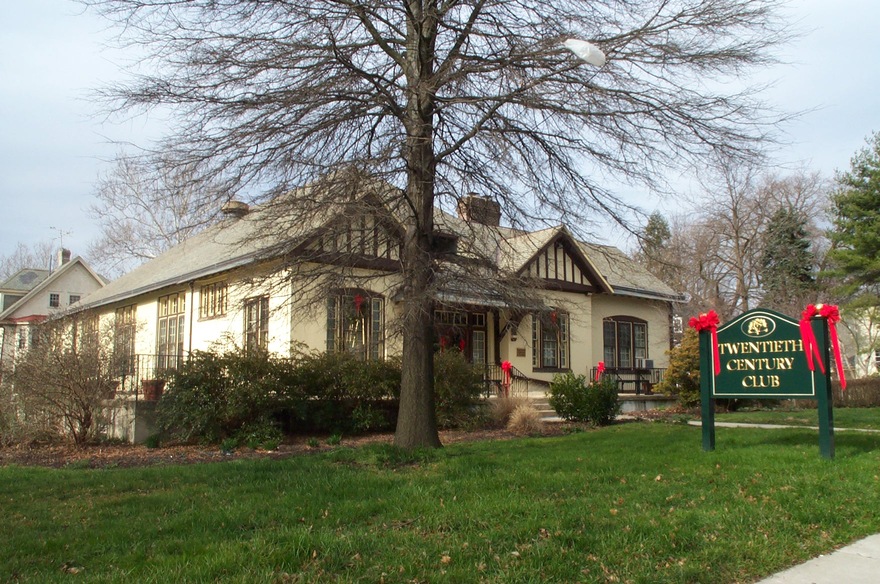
(857, 563)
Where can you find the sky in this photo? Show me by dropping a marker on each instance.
(55, 143)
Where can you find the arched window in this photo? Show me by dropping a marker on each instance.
(356, 324)
(625, 341)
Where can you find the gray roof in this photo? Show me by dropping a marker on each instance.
(24, 280)
(236, 242)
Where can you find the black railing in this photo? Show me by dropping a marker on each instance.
(497, 383)
(144, 376)
(633, 380)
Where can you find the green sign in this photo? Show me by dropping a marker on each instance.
(762, 356)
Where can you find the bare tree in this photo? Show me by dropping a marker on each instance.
(38, 255)
(147, 204)
(439, 98)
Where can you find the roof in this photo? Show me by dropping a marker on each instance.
(46, 283)
(236, 242)
(24, 280)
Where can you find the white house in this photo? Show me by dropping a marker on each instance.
(32, 295)
(235, 284)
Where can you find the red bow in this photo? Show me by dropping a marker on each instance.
(709, 322)
(600, 369)
(831, 314)
(358, 302)
(506, 368)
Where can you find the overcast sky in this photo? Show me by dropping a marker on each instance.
(53, 146)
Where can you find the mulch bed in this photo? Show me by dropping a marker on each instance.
(138, 455)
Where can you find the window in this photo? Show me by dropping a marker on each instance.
(256, 324)
(356, 324)
(625, 341)
(550, 342)
(212, 300)
(54, 300)
(73, 299)
(169, 336)
(125, 326)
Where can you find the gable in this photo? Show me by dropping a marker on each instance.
(363, 240)
(561, 265)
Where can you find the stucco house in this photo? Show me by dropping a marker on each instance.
(235, 283)
(32, 295)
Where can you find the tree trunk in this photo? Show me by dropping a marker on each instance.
(417, 417)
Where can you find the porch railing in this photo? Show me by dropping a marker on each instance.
(143, 376)
(494, 380)
(633, 380)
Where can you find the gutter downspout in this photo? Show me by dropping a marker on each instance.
(192, 309)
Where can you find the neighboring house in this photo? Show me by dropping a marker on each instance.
(230, 285)
(31, 296)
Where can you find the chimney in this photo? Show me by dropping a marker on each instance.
(63, 257)
(479, 209)
(235, 209)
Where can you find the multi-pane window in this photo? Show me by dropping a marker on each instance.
(125, 327)
(169, 337)
(212, 300)
(73, 299)
(256, 324)
(478, 347)
(550, 342)
(625, 341)
(54, 300)
(356, 324)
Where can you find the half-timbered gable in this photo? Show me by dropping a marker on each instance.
(561, 265)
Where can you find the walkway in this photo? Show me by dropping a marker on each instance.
(857, 563)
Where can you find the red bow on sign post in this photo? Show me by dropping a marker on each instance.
(709, 321)
(600, 369)
(832, 316)
(506, 368)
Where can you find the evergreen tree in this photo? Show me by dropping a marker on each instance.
(856, 213)
(787, 262)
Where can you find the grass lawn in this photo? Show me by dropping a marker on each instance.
(865, 418)
(636, 502)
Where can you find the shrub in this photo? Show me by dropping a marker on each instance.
(525, 420)
(682, 377)
(458, 386)
(259, 434)
(577, 400)
(501, 408)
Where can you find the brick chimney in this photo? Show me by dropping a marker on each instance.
(237, 209)
(479, 209)
(63, 257)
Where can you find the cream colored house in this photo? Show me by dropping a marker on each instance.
(32, 295)
(234, 285)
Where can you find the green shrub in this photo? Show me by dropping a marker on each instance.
(682, 377)
(577, 400)
(458, 387)
(259, 434)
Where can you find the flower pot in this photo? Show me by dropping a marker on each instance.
(152, 389)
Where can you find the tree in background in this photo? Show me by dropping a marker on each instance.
(654, 248)
(854, 257)
(787, 264)
(146, 205)
(855, 235)
(35, 256)
(438, 99)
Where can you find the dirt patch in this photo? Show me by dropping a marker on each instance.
(128, 455)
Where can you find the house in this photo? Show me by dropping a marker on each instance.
(542, 300)
(33, 295)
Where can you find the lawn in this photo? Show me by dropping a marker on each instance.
(635, 502)
(864, 418)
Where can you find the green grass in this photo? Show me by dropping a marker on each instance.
(629, 503)
(864, 418)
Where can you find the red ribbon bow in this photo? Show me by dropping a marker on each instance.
(506, 368)
(811, 347)
(709, 321)
(600, 369)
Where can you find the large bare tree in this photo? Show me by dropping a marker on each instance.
(442, 97)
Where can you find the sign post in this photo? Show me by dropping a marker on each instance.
(760, 355)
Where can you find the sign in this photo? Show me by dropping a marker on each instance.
(760, 355)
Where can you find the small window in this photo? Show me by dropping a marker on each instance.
(256, 324)
(74, 298)
(212, 300)
(54, 300)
